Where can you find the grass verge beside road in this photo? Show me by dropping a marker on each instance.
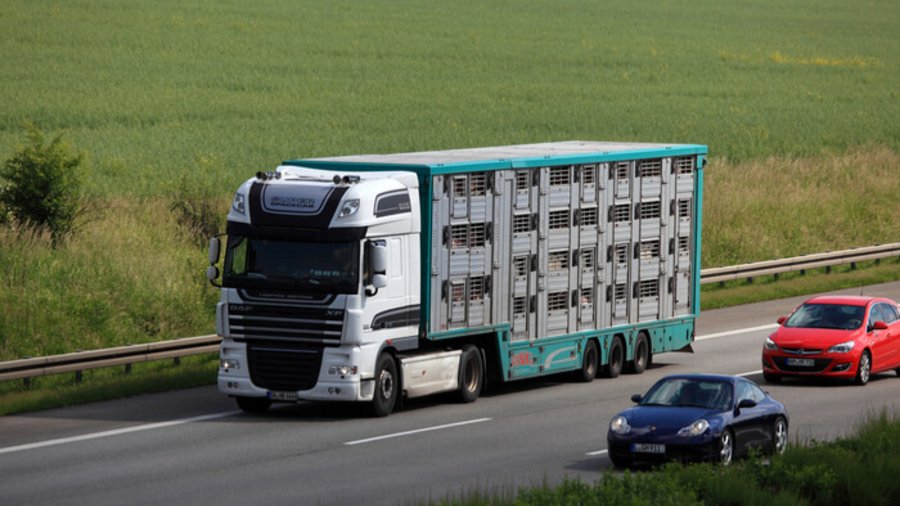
(861, 468)
(104, 384)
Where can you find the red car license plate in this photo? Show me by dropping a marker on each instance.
(801, 362)
(648, 448)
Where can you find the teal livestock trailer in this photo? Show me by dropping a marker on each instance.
(377, 277)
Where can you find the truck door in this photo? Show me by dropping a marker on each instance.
(462, 213)
(682, 240)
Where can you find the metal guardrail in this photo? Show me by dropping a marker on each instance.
(122, 355)
(176, 348)
(801, 263)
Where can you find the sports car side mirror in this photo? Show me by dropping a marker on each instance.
(746, 403)
(879, 325)
(781, 319)
(636, 398)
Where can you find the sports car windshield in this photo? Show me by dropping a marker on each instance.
(297, 266)
(827, 316)
(683, 392)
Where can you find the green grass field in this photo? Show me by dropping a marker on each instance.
(798, 102)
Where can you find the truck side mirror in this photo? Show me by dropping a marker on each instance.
(212, 272)
(214, 247)
(378, 263)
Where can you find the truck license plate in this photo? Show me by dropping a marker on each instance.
(283, 396)
(801, 362)
(648, 448)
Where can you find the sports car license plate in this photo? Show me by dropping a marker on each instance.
(648, 448)
(283, 396)
(801, 362)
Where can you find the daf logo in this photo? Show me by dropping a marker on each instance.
(240, 308)
(333, 312)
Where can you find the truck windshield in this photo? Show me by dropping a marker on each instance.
(296, 266)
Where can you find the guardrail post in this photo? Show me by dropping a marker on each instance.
(26, 382)
(127, 368)
(177, 361)
(78, 377)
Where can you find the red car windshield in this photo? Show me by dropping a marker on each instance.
(827, 316)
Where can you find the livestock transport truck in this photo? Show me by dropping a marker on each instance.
(374, 278)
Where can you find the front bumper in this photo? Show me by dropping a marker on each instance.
(835, 365)
(322, 385)
(706, 451)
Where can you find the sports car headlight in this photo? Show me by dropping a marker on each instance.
(842, 348)
(770, 344)
(695, 429)
(619, 425)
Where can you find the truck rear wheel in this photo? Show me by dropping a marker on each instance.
(471, 374)
(589, 363)
(386, 387)
(641, 355)
(616, 359)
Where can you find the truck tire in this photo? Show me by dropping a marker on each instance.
(253, 404)
(616, 359)
(641, 355)
(471, 374)
(386, 386)
(589, 362)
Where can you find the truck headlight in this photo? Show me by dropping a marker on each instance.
(842, 348)
(342, 370)
(238, 203)
(227, 364)
(619, 425)
(349, 208)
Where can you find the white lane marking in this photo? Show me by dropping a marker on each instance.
(115, 432)
(738, 331)
(598, 452)
(417, 431)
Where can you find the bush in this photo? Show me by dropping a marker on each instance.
(42, 186)
(198, 206)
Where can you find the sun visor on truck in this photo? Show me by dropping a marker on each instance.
(292, 205)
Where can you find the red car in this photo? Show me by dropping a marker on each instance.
(835, 336)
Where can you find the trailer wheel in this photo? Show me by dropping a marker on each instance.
(471, 374)
(253, 404)
(616, 359)
(386, 388)
(641, 355)
(589, 363)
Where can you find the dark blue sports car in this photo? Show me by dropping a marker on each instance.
(690, 417)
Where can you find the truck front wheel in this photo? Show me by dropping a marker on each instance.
(253, 404)
(471, 374)
(386, 388)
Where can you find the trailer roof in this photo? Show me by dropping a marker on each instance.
(575, 150)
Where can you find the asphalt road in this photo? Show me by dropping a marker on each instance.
(193, 446)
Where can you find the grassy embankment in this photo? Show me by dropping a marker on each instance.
(180, 102)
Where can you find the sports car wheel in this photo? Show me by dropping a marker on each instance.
(726, 448)
(779, 436)
(864, 370)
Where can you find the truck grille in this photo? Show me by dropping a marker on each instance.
(283, 366)
(281, 323)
